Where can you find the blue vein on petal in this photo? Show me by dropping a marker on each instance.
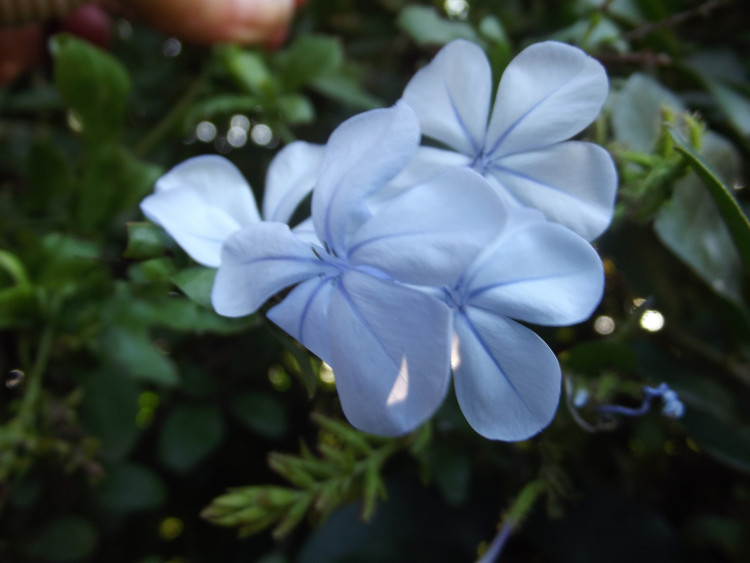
(523, 116)
(478, 291)
(474, 146)
(484, 346)
(375, 239)
(308, 304)
(503, 170)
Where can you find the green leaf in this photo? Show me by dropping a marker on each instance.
(735, 219)
(346, 90)
(93, 83)
(691, 227)
(249, 70)
(296, 109)
(262, 413)
(425, 26)
(130, 487)
(146, 240)
(109, 409)
(131, 348)
(196, 283)
(307, 58)
(636, 112)
(451, 469)
(189, 435)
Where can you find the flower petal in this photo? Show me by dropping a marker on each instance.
(303, 314)
(507, 379)
(258, 262)
(306, 231)
(362, 155)
(290, 177)
(547, 94)
(536, 272)
(200, 203)
(572, 183)
(451, 96)
(426, 163)
(431, 233)
(390, 354)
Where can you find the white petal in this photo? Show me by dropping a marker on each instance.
(306, 232)
(390, 353)
(258, 262)
(431, 233)
(547, 94)
(572, 183)
(200, 202)
(290, 177)
(537, 272)
(362, 155)
(303, 314)
(451, 96)
(426, 163)
(507, 379)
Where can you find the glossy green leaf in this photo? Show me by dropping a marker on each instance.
(249, 70)
(196, 283)
(189, 435)
(296, 109)
(93, 83)
(729, 208)
(307, 58)
(131, 348)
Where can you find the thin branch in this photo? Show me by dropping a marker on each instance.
(702, 11)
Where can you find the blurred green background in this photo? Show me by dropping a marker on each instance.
(128, 406)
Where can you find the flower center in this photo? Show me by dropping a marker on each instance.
(481, 162)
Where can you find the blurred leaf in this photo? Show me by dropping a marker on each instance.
(735, 105)
(189, 435)
(636, 111)
(691, 227)
(724, 440)
(18, 306)
(426, 27)
(296, 109)
(68, 538)
(108, 411)
(249, 69)
(345, 89)
(93, 83)
(307, 58)
(66, 260)
(262, 413)
(145, 240)
(131, 348)
(196, 283)
(735, 219)
(131, 487)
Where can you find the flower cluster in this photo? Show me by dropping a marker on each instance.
(418, 262)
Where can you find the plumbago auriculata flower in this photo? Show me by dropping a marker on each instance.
(419, 262)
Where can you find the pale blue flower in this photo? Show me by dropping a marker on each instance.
(548, 93)
(507, 379)
(354, 305)
(205, 199)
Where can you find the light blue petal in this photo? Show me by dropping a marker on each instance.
(536, 272)
(547, 94)
(258, 262)
(303, 314)
(572, 183)
(507, 380)
(200, 202)
(362, 155)
(290, 178)
(390, 352)
(306, 232)
(431, 233)
(451, 96)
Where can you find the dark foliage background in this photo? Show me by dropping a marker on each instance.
(128, 406)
